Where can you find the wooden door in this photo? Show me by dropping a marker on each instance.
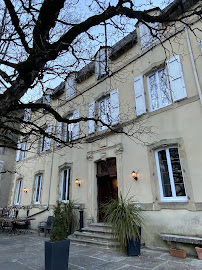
(107, 184)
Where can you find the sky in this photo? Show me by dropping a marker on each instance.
(84, 6)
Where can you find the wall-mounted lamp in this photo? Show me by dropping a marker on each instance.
(134, 175)
(25, 189)
(78, 182)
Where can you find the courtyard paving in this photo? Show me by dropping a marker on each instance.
(26, 252)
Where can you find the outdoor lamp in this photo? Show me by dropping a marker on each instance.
(25, 189)
(134, 175)
(78, 182)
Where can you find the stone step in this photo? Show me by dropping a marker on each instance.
(104, 244)
(92, 236)
(102, 230)
(100, 224)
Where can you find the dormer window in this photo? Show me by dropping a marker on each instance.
(27, 114)
(148, 35)
(46, 97)
(70, 86)
(102, 62)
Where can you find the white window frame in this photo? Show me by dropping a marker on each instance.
(146, 37)
(174, 198)
(38, 183)
(27, 114)
(45, 142)
(21, 152)
(18, 191)
(70, 86)
(67, 185)
(68, 130)
(158, 89)
(105, 120)
(102, 62)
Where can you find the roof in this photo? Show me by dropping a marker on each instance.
(124, 44)
(58, 90)
(117, 49)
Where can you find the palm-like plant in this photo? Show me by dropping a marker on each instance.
(125, 218)
(71, 216)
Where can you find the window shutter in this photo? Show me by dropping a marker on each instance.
(18, 152)
(115, 114)
(91, 114)
(75, 131)
(176, 78)
(48, 140)
(140, 104)
(59, 132)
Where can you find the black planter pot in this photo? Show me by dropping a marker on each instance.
(57, 255)
(133, 248)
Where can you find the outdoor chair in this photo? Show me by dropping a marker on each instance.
(46, 226)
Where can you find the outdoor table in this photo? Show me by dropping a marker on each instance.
(13, 222)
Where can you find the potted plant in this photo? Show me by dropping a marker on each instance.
(71, 216)
(125, 219)
(199, 252)
(179, 253)
(57, 249)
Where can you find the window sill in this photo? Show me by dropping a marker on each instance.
(174, 205)
(102, 133)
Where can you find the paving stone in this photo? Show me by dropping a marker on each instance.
(26, 252)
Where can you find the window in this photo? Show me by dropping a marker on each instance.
(37, 194)
(104, 112)
(45, 142)
(18, 191)
(148, 35)
(27, 114)
(22, 151)
(102, 62)
(170, 174)
(165, 85)
(65, 174)
(46, 96)
(159, 91)
(2, 150)
(70, 86)
(68, 132)
(108, 111)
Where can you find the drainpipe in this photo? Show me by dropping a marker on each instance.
(193, 65)
(51, 167)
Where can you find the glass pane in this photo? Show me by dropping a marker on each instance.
(153, 92)
(164, 88)
(165, 179)
(64, 185)
(70, 128)
(38, 187)
(102, 110)
(108, 111)
(177, 172)
(18, 191)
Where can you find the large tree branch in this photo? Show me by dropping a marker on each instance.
(47, 19)
(16, 24)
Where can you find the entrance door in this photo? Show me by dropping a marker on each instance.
(107, 184)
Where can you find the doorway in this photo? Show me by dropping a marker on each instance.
(107, 184)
